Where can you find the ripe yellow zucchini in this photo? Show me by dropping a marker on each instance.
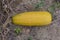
(36, 18)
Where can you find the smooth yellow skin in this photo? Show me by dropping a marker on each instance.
(36, 18)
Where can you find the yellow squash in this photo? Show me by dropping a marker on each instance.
(36, 18)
